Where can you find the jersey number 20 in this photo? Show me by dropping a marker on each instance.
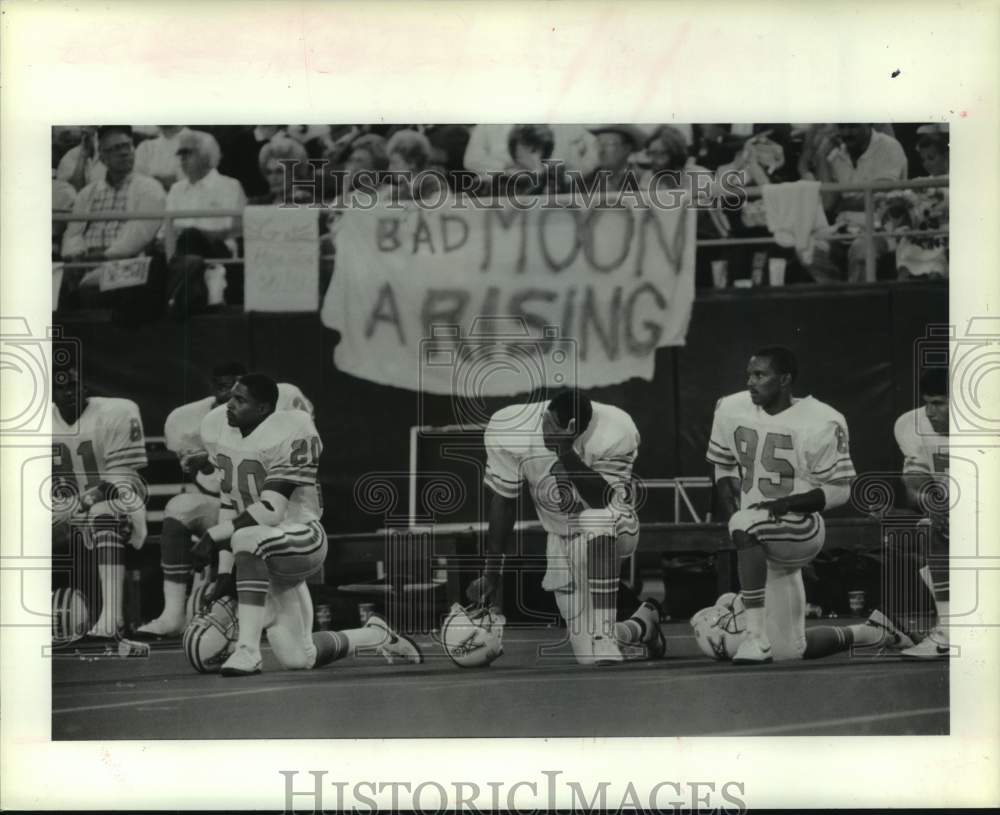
(248, 469)
(779, 478)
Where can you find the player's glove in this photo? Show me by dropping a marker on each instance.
(225, 586)
(482, 589)
(203, 552)
(192, 463)
(776, 508)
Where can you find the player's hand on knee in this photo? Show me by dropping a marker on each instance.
(203, 552)
(775, 508)
(482, 589)
(225, 586)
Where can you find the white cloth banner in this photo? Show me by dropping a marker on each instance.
(492, 302)
(282, 259)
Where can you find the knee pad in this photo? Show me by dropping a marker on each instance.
(193, 510)
(249, 538)
(613, 522)
(742, 520)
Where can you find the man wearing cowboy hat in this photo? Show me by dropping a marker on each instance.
(615, 144)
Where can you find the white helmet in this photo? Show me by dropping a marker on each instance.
(70, 617)
(720, 629)
(211, 636)
(473, 638)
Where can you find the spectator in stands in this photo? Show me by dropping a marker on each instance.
(715, 145)
(855, 154)
(275, 167)
(203, 187)
(241, 146)
(923, 256)
(120, 189)
(157, 157)
(932, 147)
(409, 177)
(531, 170)
(366, 154)
(63, 199)
(615, 145)
(488, 149)
(81, 164)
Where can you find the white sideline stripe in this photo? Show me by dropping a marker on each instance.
(196, 695)
(875, 717)
(663, 676)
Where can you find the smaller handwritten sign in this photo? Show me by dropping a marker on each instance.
(282, 259)
(123, 274)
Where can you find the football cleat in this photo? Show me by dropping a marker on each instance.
(754, 650)
(158, 628)
(242, 662)
(934, 646)
(605, 651)
(892, 636)
(394, 646)
(654, 641)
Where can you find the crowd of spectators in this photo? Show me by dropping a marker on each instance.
(176, 167)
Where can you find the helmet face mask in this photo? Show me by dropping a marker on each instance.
(210, 637)
(720, 629)
(472, 637)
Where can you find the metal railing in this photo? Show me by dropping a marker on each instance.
(867, 190)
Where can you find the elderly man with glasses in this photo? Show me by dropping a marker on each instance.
(121, 189)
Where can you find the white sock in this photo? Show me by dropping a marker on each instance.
(112, 590)
(570, 608)
(251, 619)
(785, 610)
(226, 561)
(370, 637)
(755, 622)
(174, 595)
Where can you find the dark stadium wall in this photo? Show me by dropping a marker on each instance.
(856, 348)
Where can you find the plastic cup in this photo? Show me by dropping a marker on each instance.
(720, 273)
(776, 271)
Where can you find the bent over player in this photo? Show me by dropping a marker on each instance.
(269, 532)
(779, 461)
(577, 458)
(191, 513)
(97, 447)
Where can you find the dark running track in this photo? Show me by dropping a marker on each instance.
(521, 695)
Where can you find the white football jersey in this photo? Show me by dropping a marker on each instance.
(925, 451)
(794, 451)
(516, 453)
(284, 447)
(182, 428)
(107, 438)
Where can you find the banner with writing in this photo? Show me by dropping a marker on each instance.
(282, 259)
(493, 302)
